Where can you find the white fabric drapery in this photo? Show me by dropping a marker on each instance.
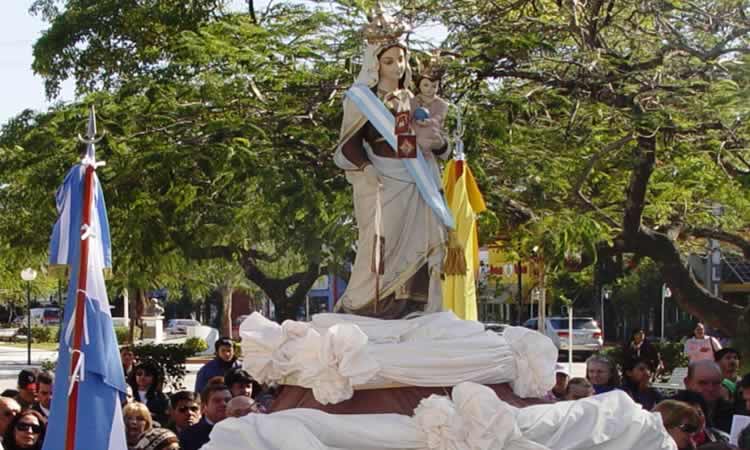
(336, 352)
(475, 419)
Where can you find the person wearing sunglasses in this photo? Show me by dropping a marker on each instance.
(184, 411)
(26, 431)
(681, 422)
(705, 434)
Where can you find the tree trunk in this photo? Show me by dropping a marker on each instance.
(226, 311)
(276, 289)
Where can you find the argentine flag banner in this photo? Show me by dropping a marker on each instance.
(86, 412)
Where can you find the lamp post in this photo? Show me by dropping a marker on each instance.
(28, 275)
(606, 292)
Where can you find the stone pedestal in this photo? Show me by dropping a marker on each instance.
(153, 328)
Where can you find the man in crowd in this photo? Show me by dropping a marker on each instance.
(744, 397)
(9, 408)
(240, 406)
(223, 361)
(214, 399)
(44, 382)
(579, 388)
(183, 412)
(728, 360)
(128, 360)
(239, 382)
(704, 377)
(26, 388)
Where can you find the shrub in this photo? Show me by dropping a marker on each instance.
(122, 334)
(196, 345)
(671, 355)
(42, 333)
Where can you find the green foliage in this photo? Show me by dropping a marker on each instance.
(195, 345)
(42, 333)
(170, 357)
(672, 355)
(122, 334)
(49, 365)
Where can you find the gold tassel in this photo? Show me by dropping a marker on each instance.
(455, 257)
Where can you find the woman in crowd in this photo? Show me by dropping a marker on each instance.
(147, 383)
(26, 431)
(636, 381)
(705, 434)
(681, 422)
(640, 348)
(137, 422)
(158, 439)
(602, 373)
(701, 346)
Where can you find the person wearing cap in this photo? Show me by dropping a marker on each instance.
(26, 388)
(44, 382)
(558, 391)
(223, 361)
(158, 439)
(728, 360)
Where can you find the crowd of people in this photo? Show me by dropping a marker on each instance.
(698, 417)
(153, 419)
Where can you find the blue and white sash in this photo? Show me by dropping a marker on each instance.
(383, 121)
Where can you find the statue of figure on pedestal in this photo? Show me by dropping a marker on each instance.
(390, 161)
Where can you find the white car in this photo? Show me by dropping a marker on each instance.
(179, 326)
(587, 336)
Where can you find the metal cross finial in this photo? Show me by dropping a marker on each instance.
(91, 137)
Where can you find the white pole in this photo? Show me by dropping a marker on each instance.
(601, 300)
(570, 338)
(663, 292)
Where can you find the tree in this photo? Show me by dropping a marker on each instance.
(219, 152)
(617, 123)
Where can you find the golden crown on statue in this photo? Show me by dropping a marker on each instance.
(383, 29)
(434, 68)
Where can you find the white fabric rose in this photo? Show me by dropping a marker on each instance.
(536, 356)
(442, 426)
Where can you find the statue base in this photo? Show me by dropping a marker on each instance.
(383, 400)
(153, 328)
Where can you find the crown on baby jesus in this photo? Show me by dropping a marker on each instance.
(383, 29)
(434, 68)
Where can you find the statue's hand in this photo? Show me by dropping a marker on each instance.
(371, 174)
(428, 135)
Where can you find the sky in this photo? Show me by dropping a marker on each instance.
(19, 87)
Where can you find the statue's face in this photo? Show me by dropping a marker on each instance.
(427, 87)
(392, 64)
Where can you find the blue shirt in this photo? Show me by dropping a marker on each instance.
(217, 367)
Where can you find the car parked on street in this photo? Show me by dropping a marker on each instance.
(587, 336)
(41, 317)
(179, 326)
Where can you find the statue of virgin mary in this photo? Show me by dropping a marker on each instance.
(390, 161)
